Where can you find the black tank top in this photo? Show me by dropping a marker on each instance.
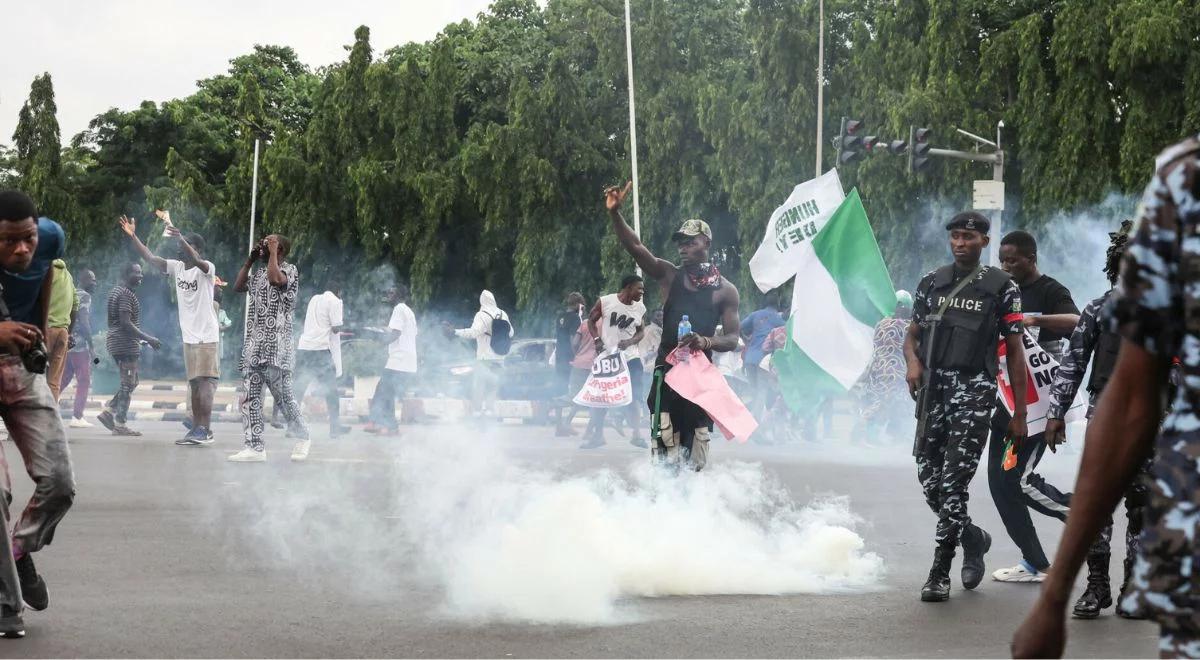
(701, 308)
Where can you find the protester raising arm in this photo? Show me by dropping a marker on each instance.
(275, 274)
(129, 226)
(241, 283)
(660, 269)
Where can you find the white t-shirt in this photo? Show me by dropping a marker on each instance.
(618, 322)
(194, 293)
(324, 313)
(402, 353)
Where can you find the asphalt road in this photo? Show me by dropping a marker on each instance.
(169, 552)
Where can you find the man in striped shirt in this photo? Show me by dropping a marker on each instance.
(124, 344)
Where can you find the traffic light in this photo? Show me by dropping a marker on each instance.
(918, 139)
(849, 145)
(870, 142)
(897, 147)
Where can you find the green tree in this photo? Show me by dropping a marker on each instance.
(38, 146)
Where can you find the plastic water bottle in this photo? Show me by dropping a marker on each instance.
(685, 328)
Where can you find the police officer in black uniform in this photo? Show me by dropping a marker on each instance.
(960, 312)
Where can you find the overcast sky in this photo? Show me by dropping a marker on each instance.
(107, 53)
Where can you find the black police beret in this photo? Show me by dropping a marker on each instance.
(972, 220)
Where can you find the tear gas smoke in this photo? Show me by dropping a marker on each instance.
(1071, 243)
(508, 541)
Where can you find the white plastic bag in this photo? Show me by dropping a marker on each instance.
(609, 385)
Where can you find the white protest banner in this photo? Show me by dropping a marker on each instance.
(609, 385)
(787, 243)
(1041, 368)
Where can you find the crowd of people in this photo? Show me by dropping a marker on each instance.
(965, 331)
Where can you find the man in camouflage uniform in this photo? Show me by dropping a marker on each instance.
(1157, 310)
(1093, 342)
(959, 313)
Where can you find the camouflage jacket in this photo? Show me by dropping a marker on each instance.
(1157, 307)
(1075, 360)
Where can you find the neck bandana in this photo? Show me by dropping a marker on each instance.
(704, 276)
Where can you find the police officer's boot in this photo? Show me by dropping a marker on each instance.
(975, 544)
(937, 587)
(1098, 594)
(1128, 575)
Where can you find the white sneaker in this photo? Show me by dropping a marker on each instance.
(301, 451)
(1018, 573)
(249, 456)
(80, 423)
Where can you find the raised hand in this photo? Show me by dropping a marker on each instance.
(614, 197)
(128, 225)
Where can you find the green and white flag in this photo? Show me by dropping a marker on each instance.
(788, 239)
(842, 290)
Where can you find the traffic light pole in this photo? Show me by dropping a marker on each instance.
(852, 147)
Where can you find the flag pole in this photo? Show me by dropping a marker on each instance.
(253, 210)
(637, 212)
(820, 83)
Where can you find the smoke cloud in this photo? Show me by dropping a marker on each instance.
(501, 540)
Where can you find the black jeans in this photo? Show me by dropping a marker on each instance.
(383, 405)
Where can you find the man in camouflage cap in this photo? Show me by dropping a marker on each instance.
(1156, 308)
(694, 288)
(960, 311)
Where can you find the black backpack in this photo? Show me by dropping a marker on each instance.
(501, 335)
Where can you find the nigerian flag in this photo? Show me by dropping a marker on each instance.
(842, 290)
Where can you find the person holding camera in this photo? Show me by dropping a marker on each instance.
(124, 343)
(28, 245)
(268, 351)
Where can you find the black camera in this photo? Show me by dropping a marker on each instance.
(35, 359)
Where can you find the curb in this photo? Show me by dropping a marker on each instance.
(314, 409)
